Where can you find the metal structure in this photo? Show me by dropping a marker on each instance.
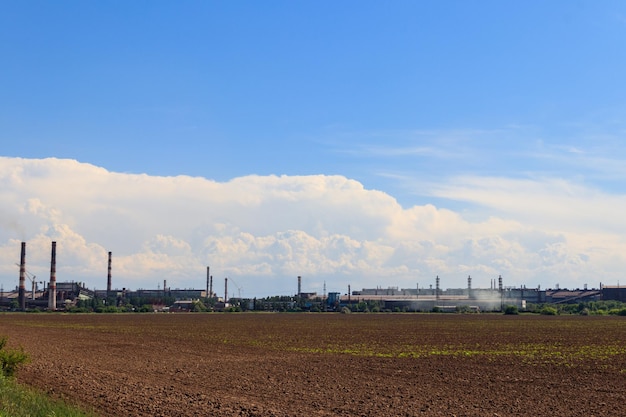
(239, 289)
(33, 281)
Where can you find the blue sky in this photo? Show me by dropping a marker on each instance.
(491, 110)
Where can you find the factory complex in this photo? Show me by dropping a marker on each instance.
(65, 295)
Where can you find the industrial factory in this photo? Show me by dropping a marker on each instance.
(63, 295)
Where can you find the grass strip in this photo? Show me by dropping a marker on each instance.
(19, 401)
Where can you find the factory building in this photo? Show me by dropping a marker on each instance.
(476, 299)
(616, 293)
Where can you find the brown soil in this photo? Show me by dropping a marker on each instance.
(326, 364)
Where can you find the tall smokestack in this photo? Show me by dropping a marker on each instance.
(211, 286)
(469, 286)
(164, 288)
(437, 288)
(225, 290)
(299, 286)
(501, 292)
(22, 288)
(109, 276)
(52, 288)
(208, 278)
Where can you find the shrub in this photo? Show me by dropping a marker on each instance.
(78, 310)
(511, 310)
(548, 311)
(10, 360)
(617, 311)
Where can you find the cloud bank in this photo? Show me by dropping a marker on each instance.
(264, 231)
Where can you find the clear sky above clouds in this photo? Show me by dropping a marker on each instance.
(353, 142)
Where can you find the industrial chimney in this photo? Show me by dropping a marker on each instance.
(52, 288)
(208, 278)
(225, 290)
(22, 288)
(469, 286)
(299, 286)
(109, 277)
(500, 288)
(437, 288)
(211, 286)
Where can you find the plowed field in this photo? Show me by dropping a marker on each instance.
(326, 364)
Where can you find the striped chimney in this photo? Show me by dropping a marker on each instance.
(22, 288)
(52, 290)
(109, 276)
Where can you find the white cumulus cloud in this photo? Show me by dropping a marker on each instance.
(263, 231)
